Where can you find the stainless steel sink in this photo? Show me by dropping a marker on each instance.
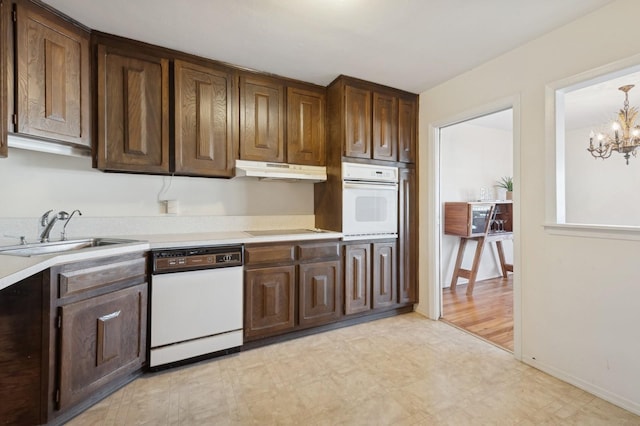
(61, 246)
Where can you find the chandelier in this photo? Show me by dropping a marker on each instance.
(626, 134)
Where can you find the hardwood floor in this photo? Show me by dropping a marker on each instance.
(488, 313)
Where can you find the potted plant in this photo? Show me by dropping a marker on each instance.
(506, 182)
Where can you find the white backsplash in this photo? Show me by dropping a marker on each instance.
(12, 228)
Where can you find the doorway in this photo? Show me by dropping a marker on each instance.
(474, 156)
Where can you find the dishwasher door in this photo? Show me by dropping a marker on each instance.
(195, 313)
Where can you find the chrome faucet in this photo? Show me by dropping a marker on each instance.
(47, 223)
(63, 234)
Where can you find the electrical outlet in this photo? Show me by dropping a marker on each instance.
(170, 206)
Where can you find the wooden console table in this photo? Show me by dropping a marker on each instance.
(478, 221)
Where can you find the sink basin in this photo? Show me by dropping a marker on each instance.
(60, 246)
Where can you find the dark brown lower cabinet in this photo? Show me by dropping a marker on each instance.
(320, 299)
(385, 283)
(101, 339)
(22, 400)
(291, 286)
(370, 276)
(270, 299)
(357, 278)
(69, 336)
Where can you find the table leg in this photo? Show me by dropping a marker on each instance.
(456, 269)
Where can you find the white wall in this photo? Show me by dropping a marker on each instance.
(599, 191)
(471, 157)
(33, 182)
(576, 297)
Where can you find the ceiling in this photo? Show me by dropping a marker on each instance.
(409, 44)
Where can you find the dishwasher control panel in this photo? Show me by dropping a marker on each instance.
(195, 258)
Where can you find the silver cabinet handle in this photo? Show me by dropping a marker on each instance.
(110, 316)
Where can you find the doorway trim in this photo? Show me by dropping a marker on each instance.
(430, 214)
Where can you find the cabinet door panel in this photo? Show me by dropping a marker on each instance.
(6, 79)
(407, 238)
(270, 300)
(101, 339)
(407, 134)
(320, 300)
(357, 278)
(305, 127)
(204, 124)
(132, 112)
(384, 275)
(357, 122)
(385, 129)
(261, 120)
(53, 77)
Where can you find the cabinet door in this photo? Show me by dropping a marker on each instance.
(407, 134)
(204, 120)
(305, 127)
(357, 278)
(101, 339)
(23, 347)
(320, 298)
(269, 301)
(385, 127)
(385, 286)
(357, 122)
(5, 9)
(407, 237)
(133, 111)
(261, 119)
(52, 77)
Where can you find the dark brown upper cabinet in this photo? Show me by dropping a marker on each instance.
(305, 126)
(407, 129)
(385, 127)
(52, 75)
(282, 120)
(205, 135)
(132, 110)
(357, 118)
(262, 116)
(370, 121)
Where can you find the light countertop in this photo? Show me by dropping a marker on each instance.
(17, 268)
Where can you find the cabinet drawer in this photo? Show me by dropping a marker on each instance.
(77, 278)
(318, 251)
(269, 254)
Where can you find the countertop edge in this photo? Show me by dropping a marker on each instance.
(15, 268)
(24, 267)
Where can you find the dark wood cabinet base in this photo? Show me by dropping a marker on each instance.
(344, 322)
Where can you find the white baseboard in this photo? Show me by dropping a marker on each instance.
(608, 396)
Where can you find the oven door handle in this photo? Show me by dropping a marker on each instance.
(371, 185)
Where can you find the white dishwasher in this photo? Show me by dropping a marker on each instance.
(196, 303)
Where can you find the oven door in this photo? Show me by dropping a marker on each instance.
(369, 210)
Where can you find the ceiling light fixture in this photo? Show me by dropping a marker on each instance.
(624, 144)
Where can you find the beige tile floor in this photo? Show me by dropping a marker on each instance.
(405, 370)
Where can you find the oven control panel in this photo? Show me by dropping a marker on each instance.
(176, 260)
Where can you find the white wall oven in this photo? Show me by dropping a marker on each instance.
(369, 201)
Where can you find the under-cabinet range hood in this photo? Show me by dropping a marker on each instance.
(280, 171)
